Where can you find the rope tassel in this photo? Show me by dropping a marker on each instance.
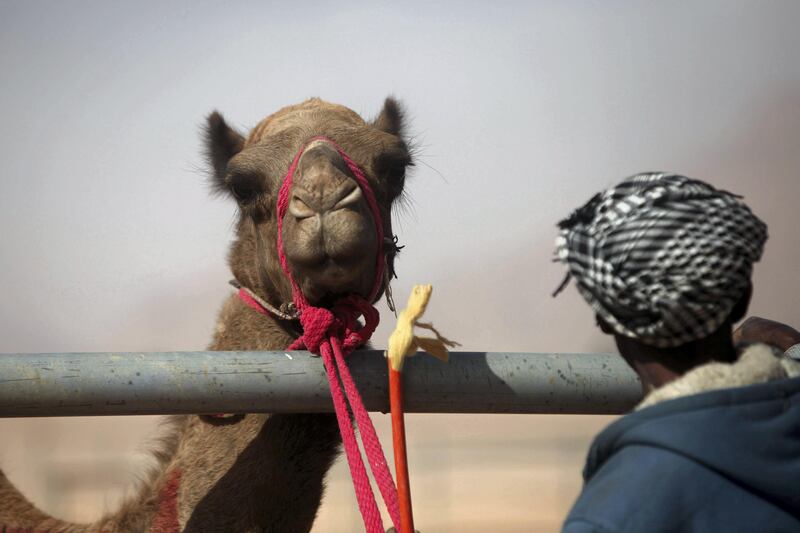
(334, 333)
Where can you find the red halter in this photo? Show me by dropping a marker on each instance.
(334, 333)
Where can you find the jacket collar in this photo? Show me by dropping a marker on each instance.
(758, 363)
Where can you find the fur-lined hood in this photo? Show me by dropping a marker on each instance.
(731, 428)
(757, 364)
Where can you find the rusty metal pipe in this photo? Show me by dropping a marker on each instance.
(84, 384)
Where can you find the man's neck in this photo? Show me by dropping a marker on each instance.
(658, 366)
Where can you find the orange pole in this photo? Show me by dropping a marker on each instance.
(400, 456)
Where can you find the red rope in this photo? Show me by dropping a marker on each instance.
(334, 333)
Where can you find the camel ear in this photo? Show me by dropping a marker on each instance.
(222, 143)
(392, 164)
(391, 118)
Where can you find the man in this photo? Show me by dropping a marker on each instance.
(665, 262)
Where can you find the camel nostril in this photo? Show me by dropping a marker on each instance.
(304, 204)
(299, 209)
(352, 197)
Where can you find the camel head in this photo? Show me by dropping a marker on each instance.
(329, 235)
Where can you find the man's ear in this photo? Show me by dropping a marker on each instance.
(391, 118)
(740, 308)
(604, 326)
(222, 143)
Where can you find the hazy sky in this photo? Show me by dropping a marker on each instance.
(521, 111)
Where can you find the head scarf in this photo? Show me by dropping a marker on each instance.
(661, 258)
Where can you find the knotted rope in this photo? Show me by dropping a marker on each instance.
(333, 334)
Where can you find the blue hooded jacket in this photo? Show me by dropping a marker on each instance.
(721, 461)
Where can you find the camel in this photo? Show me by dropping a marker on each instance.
(265, 472)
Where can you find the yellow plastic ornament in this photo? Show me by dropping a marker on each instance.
(403, 342)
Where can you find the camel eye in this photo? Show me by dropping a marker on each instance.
(246, 187)
(391, 167)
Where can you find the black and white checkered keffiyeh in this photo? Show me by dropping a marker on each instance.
(662, 258)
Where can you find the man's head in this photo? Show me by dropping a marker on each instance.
(665, 261)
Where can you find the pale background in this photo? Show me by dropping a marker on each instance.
(521, 111)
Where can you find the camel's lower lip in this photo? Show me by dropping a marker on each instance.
(329, 282)
(327, 298)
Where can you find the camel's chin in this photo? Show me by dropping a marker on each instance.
(329, 281)
(327, 299)
(325, 296)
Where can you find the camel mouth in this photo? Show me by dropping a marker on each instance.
(327, 296)
(329, 280)
(323, 295)
(329, 299)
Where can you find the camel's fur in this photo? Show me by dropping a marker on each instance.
(259, 472)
